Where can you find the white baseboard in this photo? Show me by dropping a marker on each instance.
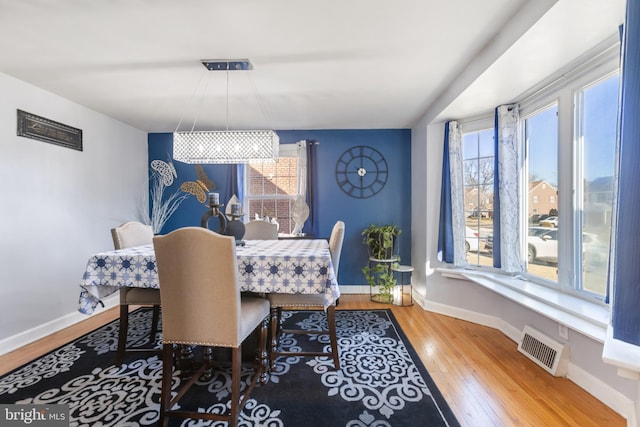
(30, 335)
(594, 386)
(354, 289)
(607, 395)
(21, 339)
(471, 316)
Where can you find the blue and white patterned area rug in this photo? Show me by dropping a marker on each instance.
(382, 381)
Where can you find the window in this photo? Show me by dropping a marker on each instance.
(478, 163)
(272, 187)
(597, 106)
(570, 138)
(568, 135)
(541, 145)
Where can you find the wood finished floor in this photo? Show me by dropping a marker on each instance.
(483, 377)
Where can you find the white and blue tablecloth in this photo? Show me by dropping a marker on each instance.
(296, 266)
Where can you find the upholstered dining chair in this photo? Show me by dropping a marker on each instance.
(260, 230)
(127, 235)
(281, 302)
(201, 305)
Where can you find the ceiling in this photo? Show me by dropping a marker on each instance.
(335, 64)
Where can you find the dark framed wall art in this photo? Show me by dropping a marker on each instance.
(42, 129)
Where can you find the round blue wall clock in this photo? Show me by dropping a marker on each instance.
(361, 171)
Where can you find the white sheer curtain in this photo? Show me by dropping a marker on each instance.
(510, 176)
(301, 150)
(300, 207)
(457, 194)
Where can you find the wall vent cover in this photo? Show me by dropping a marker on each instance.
(547, 353)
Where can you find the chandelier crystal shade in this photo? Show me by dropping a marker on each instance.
(225, 146)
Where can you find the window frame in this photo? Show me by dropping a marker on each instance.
(563, 91)
(566, 93)
(285, 150)
(526, 112)
(578, 99)
(476, 125)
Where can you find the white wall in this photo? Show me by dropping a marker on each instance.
(58, 205)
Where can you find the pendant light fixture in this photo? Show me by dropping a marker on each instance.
(225, 146)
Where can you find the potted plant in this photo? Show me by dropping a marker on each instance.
(380, 241)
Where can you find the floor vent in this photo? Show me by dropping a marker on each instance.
(549, 354)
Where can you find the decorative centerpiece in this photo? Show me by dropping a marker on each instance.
(162, 207)
(214, 210)
(235, 227)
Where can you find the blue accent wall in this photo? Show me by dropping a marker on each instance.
(392, 205)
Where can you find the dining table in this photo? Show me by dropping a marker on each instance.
(296, 266)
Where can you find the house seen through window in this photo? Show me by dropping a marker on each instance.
(541, 144)
(478, 164)
(271, 189)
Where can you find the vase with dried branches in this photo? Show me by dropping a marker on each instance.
(162, 207)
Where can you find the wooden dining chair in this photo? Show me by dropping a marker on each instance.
(128, 235)
(281, 302)
(201, 305)
(260, 230)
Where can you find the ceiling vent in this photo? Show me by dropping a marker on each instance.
(227, 64)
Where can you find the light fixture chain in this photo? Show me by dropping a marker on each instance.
(227, 113)
(202, 96)
(261, 103)
(193, 95)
